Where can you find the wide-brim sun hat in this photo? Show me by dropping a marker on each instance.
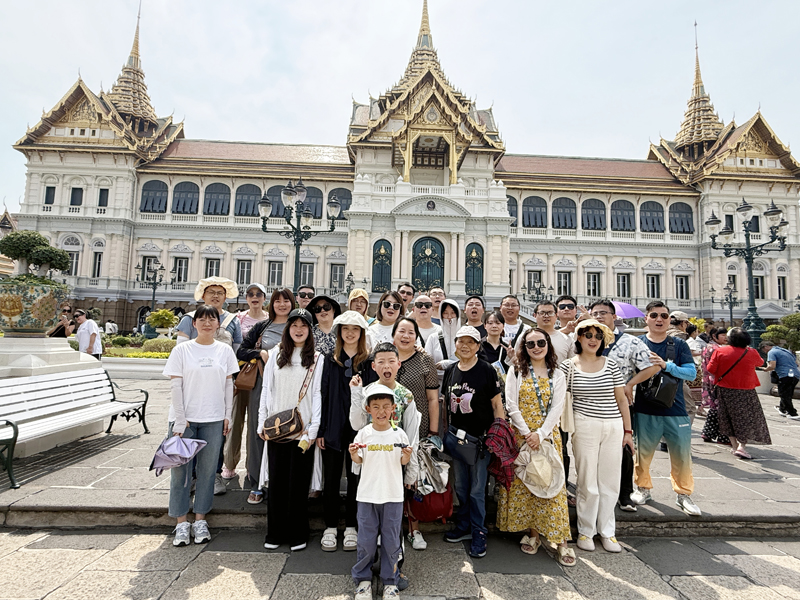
(300, 313)
(231, 289)
(358, 293)
(608, 335)
(349, 317)
(337, 309)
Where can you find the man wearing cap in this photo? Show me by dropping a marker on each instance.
(359, 302)
(437, 295)
(324, 309)
(305, 293)
(474, 309)
(783, 362)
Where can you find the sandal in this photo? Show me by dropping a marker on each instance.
(742, 454)
(565, 554)
(350, 541)
(328, 542)
(532, 544)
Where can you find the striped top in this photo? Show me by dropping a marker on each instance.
(593, 393)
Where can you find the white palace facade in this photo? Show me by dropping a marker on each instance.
(429, 195)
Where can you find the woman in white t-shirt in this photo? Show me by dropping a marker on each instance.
(390, 308)
(88, 335)
(292, 379)
(200, 373)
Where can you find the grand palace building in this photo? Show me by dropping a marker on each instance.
(429, 194)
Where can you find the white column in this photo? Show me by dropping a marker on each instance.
(462, 267)
(453, 256)
(404, 257)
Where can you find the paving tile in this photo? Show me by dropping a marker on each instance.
(495, 586)
(777, 490)
(83, 540)
(449, 574)
(316, 587)
(137, 457)
(11, 541)
(34, 573)
(602, 576)
(780, 573)
(236, 541)
(69, 477)
(240, 575)
(148, 553)
(314, 560)
(81, 498)
(107, 585)
(504, 556)
(735, 546)
(789, 546)
(678, 557)
(138, 478)
(720, 587)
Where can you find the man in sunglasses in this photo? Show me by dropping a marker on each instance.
(406, 291)
(422, 313)
(305, 293)
(653, 421)
(567, 313)
(633, 359)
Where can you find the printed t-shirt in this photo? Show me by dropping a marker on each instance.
(468, 395)
(204, 369)
(381, 472)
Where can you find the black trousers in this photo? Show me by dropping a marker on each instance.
(626, 477)
(786, 387)
(290, 473)
(332, 462)
(565, 454)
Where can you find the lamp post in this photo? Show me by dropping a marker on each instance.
(797, 303)
(777, 233)
(293, 198)
(350, 282)
(153, 277)
(729, 299)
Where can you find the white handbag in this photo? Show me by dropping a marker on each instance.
(568, 416)
(540, 470)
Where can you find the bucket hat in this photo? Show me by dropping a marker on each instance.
(231, 289)
(349, 317)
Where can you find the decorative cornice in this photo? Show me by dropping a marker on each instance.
(683, 266)
(535, 261)
(244, 250)
(625, 264)
(180, 248)
(150, 247)
(337, 254)
(306, 253)
(594, 264)
(213, 249)
(654, 265)
(564, 262)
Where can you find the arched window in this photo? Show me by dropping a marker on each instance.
(623, 216)
(217, 199)
(381, 266)
(534, 212)
(247, 199)
(345, 198)
(593, 214)
(512, 210)
(681, 218)
(474, 270)
(154, 197)
(314, 201)
(274, 195)
(185, 198)
(564, 214)
(651, 217)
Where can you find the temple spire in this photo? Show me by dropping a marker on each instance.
(425, 39)
(134, 59)
(701, 126)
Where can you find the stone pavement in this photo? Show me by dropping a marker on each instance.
(140, 565)
(104, 481)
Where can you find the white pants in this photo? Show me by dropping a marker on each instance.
(597, 445)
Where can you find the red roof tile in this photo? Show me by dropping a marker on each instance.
(592, 167)
(249, 151)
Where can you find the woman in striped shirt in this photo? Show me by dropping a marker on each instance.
(602, 428)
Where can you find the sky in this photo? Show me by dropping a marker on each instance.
(578, 78)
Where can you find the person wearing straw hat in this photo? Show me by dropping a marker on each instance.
(602, 428)
(214, 291)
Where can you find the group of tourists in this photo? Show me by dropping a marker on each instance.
(318, 392)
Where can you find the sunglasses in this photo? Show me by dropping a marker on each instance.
(423, 304)
(531, 344)
(255, 295)
(349, 370)
(655, 315)
(320, 307)
(566, 307)
(405, 293)
(80, 314)
(305, 295)
(597, 336)
(66, 310)
(392, 305)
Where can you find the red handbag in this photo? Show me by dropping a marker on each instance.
(432, 507)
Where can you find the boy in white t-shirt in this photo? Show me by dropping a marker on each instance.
(381, 450)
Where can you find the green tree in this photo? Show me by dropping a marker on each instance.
(31, 248)
(787, 333)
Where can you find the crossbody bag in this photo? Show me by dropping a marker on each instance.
(287, 425)
(714, 391)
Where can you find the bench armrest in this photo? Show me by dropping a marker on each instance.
(145, 392)
(14, 428)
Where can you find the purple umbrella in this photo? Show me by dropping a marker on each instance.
(174, 452)
(627, 311)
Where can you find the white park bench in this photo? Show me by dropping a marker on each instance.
(33, 407)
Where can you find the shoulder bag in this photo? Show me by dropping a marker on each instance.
(714, 391)
(568, 416)
(662, 387)
(249, 372)
(287, 425)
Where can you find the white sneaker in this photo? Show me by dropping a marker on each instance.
(390, 592)
(794, 417)
(219, 485)
(417, 541)
(585, 543)
(610, 544)
(641, 496)
(364, 591)
(200, 532)
(182, 534)
(684, 501)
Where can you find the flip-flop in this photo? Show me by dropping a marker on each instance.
(742, 454)
(532, 543)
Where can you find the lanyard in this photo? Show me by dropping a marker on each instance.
(544, 410)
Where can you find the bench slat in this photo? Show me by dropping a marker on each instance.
(30, 415)
(76, 418)
(53, 397)
(34, 390)
(11, 382)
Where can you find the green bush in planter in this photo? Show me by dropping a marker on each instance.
(162, 319)
(121, 341)
(73, 344)
(159, 345)
(137, 340)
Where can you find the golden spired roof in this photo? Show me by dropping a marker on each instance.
(700, 122)
(424, 56)
(129, 94)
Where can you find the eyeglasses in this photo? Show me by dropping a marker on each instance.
(601, 313)
(597, 336)
(305, 295)
(255, 295)
(214, 294)
(531, 344)
(321, 307)
(392, 305)
(566, 307)
(655, 315)
(510, 305)
(423, 304)
(546, 313)
(349, 371)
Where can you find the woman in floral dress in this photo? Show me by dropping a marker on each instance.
(718, 336)
(535, 390)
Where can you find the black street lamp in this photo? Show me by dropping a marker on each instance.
(293, 198)
(729, 299)
(152, 276)
(350, 282)
(797, 303)
(777, 233)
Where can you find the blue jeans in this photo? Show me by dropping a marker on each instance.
(205, 465)
(471, 493)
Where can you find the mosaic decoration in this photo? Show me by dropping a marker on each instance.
(29, 308)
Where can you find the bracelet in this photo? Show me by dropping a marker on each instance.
(629, 431)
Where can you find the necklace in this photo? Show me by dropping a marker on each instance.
(544, 409)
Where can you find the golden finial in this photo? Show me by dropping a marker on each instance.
(425, 39)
